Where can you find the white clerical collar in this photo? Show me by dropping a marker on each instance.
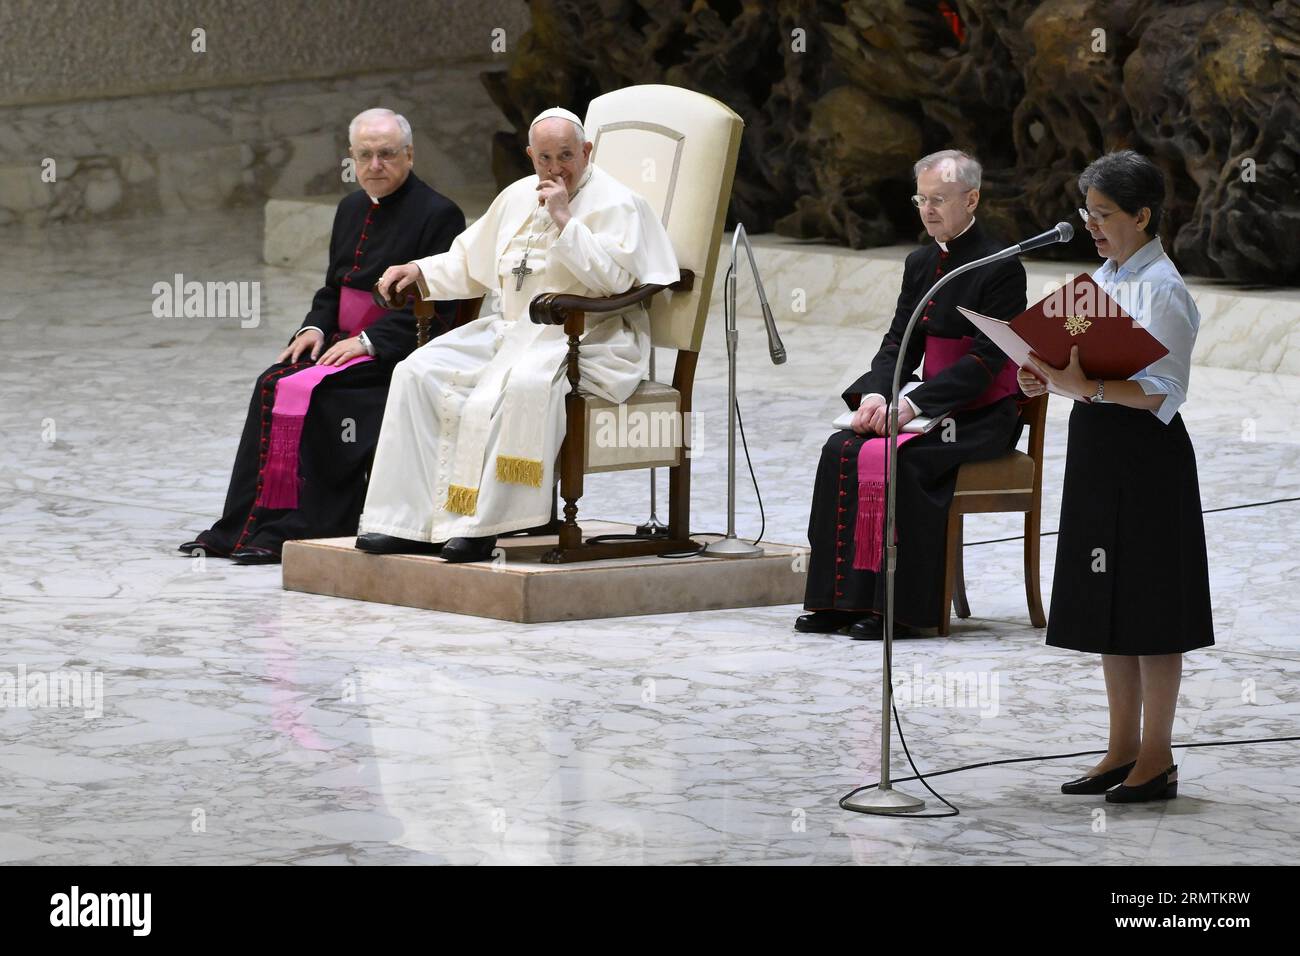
(944, 245)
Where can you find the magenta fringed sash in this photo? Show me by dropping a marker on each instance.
(869, 530)
(279, 488)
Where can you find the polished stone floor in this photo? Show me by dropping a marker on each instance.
(244, 724)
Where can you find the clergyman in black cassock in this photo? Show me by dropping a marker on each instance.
(927, 464)
(341, 426)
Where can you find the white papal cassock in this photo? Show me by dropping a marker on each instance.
(475, 419)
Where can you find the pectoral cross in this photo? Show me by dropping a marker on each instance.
(520, 271)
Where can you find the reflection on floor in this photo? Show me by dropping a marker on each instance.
(242, 723)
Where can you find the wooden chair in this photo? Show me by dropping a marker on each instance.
(1013, 482)
(677, 149)
(467, 311)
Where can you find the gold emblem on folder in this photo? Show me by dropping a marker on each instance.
(1076, 324)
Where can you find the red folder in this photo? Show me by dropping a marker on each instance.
(1111, 344)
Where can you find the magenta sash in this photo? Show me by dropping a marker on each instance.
(279, 486)
(869, 530)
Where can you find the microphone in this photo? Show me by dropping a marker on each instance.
(731, 546)
(1062, 232)
(775, 348)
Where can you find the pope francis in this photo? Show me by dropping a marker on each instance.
(475, 419)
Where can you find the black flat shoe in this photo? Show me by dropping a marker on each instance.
(824, 622)
(387, 544)
(1157, 788)
(872, 628)
(1098, 783)
(254, 556)
(462, 550)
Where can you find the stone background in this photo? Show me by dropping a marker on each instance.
(137, 124)
(840, 97)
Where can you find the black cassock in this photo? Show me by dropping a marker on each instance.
(341, 427)
(927, 465)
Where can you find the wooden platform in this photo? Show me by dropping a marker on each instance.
(516, 586)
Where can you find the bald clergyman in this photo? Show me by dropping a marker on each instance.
(313, 421)
(475, 419)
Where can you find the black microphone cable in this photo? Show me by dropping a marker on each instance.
(740, 422)
(954, 812)
(1010, 760)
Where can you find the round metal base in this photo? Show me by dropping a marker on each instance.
(652, 529)
(876, 800)
(732, 548)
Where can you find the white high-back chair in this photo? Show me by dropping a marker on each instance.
(677, 149)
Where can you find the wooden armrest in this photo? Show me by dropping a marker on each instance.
(551, 308)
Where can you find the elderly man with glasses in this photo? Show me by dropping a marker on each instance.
(313, 422)
(967, 382)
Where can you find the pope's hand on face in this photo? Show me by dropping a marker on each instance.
(554, 195)
(396, 280)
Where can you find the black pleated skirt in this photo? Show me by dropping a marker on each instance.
(1131, 570)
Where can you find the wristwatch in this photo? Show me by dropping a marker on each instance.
(1101, 393)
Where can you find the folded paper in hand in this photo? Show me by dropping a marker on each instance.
(1112, 344)
(918, 425)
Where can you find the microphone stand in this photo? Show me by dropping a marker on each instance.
(731, 546)
(883, 798)
(653, 527)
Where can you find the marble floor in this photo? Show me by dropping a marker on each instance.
(240, 723)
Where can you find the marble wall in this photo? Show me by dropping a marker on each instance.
(105, 122)
(62, 50)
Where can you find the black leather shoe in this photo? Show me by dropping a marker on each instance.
(461, 550)
(189, 547)
(1157, 788)
(1099, 783)
(824, 622)
(387, 544)
(254, 556)
(872, 628)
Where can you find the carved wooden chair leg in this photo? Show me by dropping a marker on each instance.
(950, 548)
(572, 450)
(1033, 592)
(959, 585)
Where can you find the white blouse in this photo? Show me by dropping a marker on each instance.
(1149, 287)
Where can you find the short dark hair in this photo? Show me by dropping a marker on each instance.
(1131, 180)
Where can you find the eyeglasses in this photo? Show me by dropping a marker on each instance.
(386, 156)
(1092, 217)
(936, 201)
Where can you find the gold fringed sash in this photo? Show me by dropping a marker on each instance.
(462, 500)
(519, 471)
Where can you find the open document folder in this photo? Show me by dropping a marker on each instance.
(1112, 344)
